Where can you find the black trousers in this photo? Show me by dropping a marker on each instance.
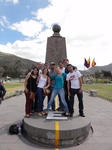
(74, 92)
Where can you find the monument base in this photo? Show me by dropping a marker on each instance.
(57, 133)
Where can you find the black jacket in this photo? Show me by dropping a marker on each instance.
(2, 91)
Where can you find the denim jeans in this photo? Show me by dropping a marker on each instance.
(61, 107)
(62, 96)
(40, 99)
(49, 96)
(80, 99)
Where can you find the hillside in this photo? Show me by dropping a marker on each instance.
(9, 59)
(99, 68)
(92, 70)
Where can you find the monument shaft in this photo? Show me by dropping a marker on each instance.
(56, 47)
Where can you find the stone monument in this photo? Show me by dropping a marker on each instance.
(56, 46)
(59, 131)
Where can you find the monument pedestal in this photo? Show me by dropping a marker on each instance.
(58, 132)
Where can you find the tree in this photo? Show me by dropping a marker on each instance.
(13, 71)
(97, 74)
(106, 74)
(29, 69)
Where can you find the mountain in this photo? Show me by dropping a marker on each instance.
(92, 70)
(7, 59)
(100, 68)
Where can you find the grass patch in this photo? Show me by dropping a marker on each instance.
(103, 90)
(12, 86)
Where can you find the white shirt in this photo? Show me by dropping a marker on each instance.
(62, 70)
(74, 79)
(40, 71)
(42, 82)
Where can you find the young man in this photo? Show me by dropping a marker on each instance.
(74, 86)
(46, 65)
(66, 62)
(39, 66)
(61, 66)
(2, 92)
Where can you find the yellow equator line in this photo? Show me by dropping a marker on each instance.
(57, 135)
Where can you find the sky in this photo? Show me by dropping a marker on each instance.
(86, 25)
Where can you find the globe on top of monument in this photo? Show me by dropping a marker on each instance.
(56, 28)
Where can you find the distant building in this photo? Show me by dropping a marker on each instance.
(8, 78)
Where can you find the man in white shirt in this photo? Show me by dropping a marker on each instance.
(39, 66)
(61, 66)
(74, 86)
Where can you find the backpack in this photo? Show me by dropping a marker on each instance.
(13, 129)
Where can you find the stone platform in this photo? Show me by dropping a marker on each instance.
(57, 131)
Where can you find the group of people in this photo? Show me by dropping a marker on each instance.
(63, 80)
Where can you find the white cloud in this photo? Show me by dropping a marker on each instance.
(28, 7)
(2, 30)
(26, 49)
(13, 1)
(29, 28)
(1, 23)
(86, 24)
(4, 21)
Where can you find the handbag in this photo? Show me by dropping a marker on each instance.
(46, 92)
(32, 95)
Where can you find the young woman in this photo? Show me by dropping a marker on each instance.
(43, 83)
(30, 84)
(58, 89)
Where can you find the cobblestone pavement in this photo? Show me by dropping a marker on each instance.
(99, 112)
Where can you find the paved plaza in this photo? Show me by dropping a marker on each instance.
(97, 110)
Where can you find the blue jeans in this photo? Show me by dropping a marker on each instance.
(40, 99)
(62, 96)
(49, 96)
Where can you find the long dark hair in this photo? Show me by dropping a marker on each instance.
(47, 71)
(32, 71)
